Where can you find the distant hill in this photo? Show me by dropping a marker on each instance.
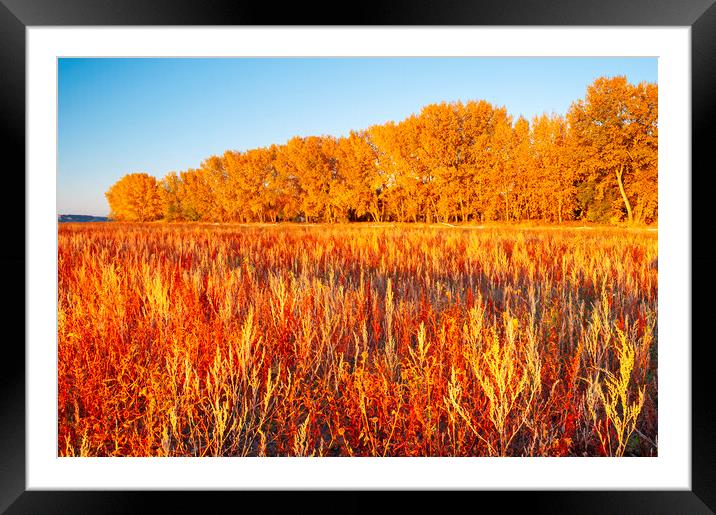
(81, 218)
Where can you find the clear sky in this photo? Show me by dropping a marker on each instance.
(118, 116)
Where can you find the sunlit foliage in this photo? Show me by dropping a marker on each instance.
(136, 198)
(450, 162)
(615, 132)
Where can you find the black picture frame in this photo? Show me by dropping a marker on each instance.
(16, 15)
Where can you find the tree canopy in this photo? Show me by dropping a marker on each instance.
(449, 162)
(135, 198)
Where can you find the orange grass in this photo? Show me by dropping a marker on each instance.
(356, 340)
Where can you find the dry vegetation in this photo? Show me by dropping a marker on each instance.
(356, 340)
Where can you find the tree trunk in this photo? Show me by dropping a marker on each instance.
(559, 210)
(619, 173)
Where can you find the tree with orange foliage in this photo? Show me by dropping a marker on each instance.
(135, 198)
(521, 180)
(440, 143)
(501, 180)
(198, 195)
(644, 180)
(400, 166)
(480, 121)
(214, 175)
(553, 175)
(307, 167)
(170, 194)
(615, 134)
(355, 192)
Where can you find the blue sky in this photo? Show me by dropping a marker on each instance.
(118, 116)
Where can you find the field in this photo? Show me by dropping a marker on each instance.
(356, 340)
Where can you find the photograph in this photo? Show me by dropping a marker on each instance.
(357, 257)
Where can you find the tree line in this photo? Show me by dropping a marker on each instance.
(452, 161)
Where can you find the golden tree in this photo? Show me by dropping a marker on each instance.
(135, 198)
(401, 168)
(198, 198)
(172, 194)
(553, 175)
(480, 121)
(521, 184)
(355, 191)
(440, 149)
(615, 133)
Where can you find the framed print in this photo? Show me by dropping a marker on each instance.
(444, 294)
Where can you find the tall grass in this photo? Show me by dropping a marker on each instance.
(352, 340)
